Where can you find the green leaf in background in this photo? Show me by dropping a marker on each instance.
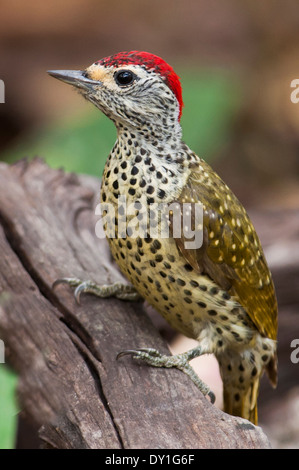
(8, 408)
(212, 100)
(82, 143)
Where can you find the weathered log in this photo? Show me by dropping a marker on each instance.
(70, 384)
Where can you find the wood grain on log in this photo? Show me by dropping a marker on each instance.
(70, 383)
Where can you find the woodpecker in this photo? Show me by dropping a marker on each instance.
(220, 293)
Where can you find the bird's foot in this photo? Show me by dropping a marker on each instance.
(117, 289)
(180, 361)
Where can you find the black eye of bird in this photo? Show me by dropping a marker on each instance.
(124, 77)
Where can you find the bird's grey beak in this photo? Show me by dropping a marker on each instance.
(74, 77)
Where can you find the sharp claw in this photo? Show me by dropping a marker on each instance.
(151, 355)
(127, 352)
(72, 282)
(149, 351)
(58, 281)
(212, 397)
(77, 293)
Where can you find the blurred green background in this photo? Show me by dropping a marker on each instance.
(82, 142)
(236, 61)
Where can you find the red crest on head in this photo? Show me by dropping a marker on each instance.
(150, 62)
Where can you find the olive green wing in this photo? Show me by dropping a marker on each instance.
(231, 253)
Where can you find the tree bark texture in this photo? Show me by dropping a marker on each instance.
(70, 384)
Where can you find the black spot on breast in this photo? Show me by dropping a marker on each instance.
(212, 312)
(150, 190)
(214, 290)
(202, 304)
(161, 193)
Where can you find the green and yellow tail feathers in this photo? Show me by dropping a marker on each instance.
(238, 402)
